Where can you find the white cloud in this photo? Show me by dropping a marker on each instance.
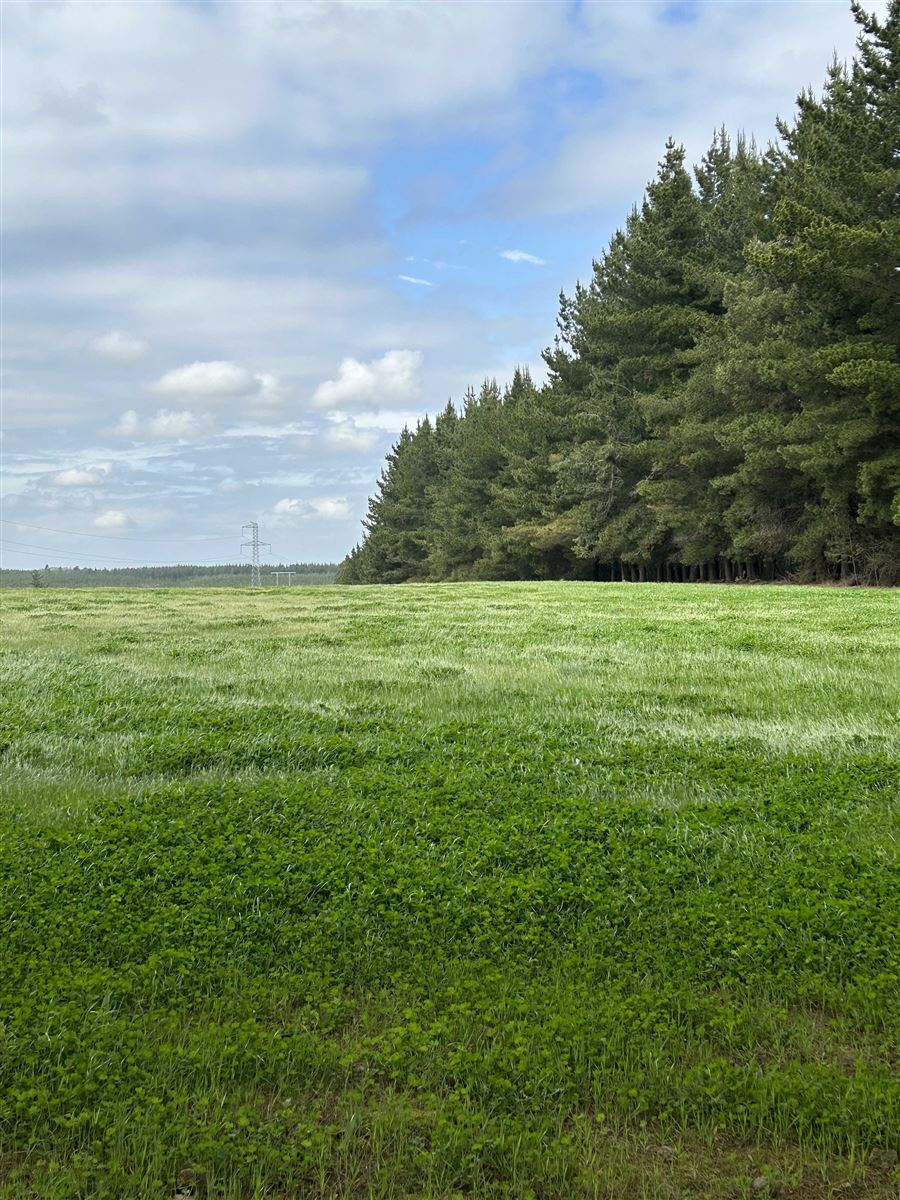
(418, 282)
(660, 75)
(118, 346)
(390, 420)
(394, 376)
(287, 506)
(518, 256)
(88, 476)
(356, 68)
(129, 425)
(330, 508)
(165, 425)
(254, 429)
(345, 434)
(113, 518)
(269, 394)
(181, 426)
(333, 508)
(217, 380)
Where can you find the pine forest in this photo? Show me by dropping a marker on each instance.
(722, 399)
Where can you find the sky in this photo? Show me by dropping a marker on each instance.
(245, 243)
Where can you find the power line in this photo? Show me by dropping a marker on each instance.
(11, 548)
(112, 537)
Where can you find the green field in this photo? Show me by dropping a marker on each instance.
(499, 890)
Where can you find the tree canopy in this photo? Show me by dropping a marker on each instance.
(722, 397)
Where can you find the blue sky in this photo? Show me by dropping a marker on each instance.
(244, 243)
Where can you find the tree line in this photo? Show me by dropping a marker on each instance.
(723, 396)
(182, 575)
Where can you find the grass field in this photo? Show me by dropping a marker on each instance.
(497, 890)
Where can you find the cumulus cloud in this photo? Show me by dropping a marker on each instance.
(394, 376)
(165, 425)
(88, 476)
(117, 346)
(217, 380)
(331, 508)
(113, 518)
(345, 434)
(334, 508)
(518, 256)
(287, 506)
(181, 426)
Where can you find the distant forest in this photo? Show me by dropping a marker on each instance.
(226, 575)
(723, 395)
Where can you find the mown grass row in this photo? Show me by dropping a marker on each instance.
(316, 895)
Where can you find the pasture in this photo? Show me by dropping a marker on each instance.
(533, 891)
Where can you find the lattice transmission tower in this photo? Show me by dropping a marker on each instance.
(254, 545)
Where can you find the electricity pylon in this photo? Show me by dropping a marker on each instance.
(254, 545)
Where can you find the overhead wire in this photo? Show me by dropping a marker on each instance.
(15, 547)
(115, 537)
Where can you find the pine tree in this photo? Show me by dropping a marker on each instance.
(633, 329)
(691, 449)
(395, 548)
(527, 543)
(465, 517)
(834, 255)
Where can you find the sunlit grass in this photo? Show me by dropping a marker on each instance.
(558, 890)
